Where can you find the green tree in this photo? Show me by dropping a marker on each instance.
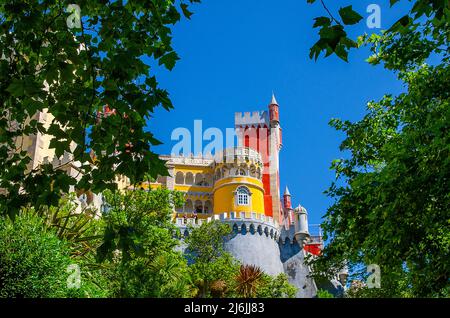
(165, 276)
(34, 262)
(139, 245)
(418, 33)
(210, 262)
(51, 60)
(275, 287)
(83, 231)
(392, 199)
(321, 293)
(83, 228)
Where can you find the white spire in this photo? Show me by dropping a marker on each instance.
(286, 191)
(274, 101)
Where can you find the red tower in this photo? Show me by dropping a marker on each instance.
(261, 131)
(274, 110)
(287, 199)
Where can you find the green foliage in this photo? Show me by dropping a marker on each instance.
(206, 276)
(275, 287)
(333, 37)
(106, 60)
(394, 209)
(139, 245)
(349, 16)
(391, 198)
(365, 292)
(137, 220)
(34, 262)
(206, 241)
(210, 262)
(164, 276)
(321, 293)
(142, 258)
(83, 229)
(420, 32)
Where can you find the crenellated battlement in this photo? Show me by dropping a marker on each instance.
(287, 234)
(241, 223)
(251, 118)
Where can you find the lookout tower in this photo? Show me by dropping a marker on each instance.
(261, 131)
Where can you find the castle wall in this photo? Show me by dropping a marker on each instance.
(256, 249)
(294, 266)
(293, 258)
(260, 243)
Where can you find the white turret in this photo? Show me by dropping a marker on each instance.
(301, 225)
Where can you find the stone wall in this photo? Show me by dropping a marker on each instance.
(271, 248)
(298, 272)
(293, 259)
(256, 249)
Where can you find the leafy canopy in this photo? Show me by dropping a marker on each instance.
(139, 245)
(427, 21)
(34, 262)
(71, 71)
(391, 197)
(213, 270)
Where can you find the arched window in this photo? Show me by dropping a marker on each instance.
(258, 173)
(161, 180)
(225, 172)
(188, 206)
(208, 179)
(199, 180)
(179, 210)
(198, 206)
(208, 207)
(179, 178)
(242, 196)
(253, 171)
(189, 178)
(260, 231)
(241, 172)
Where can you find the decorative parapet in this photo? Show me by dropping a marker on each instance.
(196, 194)
(189, 160)
(235, 153)
(238, 154)
(240, 222)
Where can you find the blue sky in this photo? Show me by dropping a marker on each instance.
(234, 53)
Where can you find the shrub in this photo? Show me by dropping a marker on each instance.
(33, 261)
(322, 293)
(276, 287)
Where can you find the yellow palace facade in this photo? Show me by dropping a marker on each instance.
(228, 184)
